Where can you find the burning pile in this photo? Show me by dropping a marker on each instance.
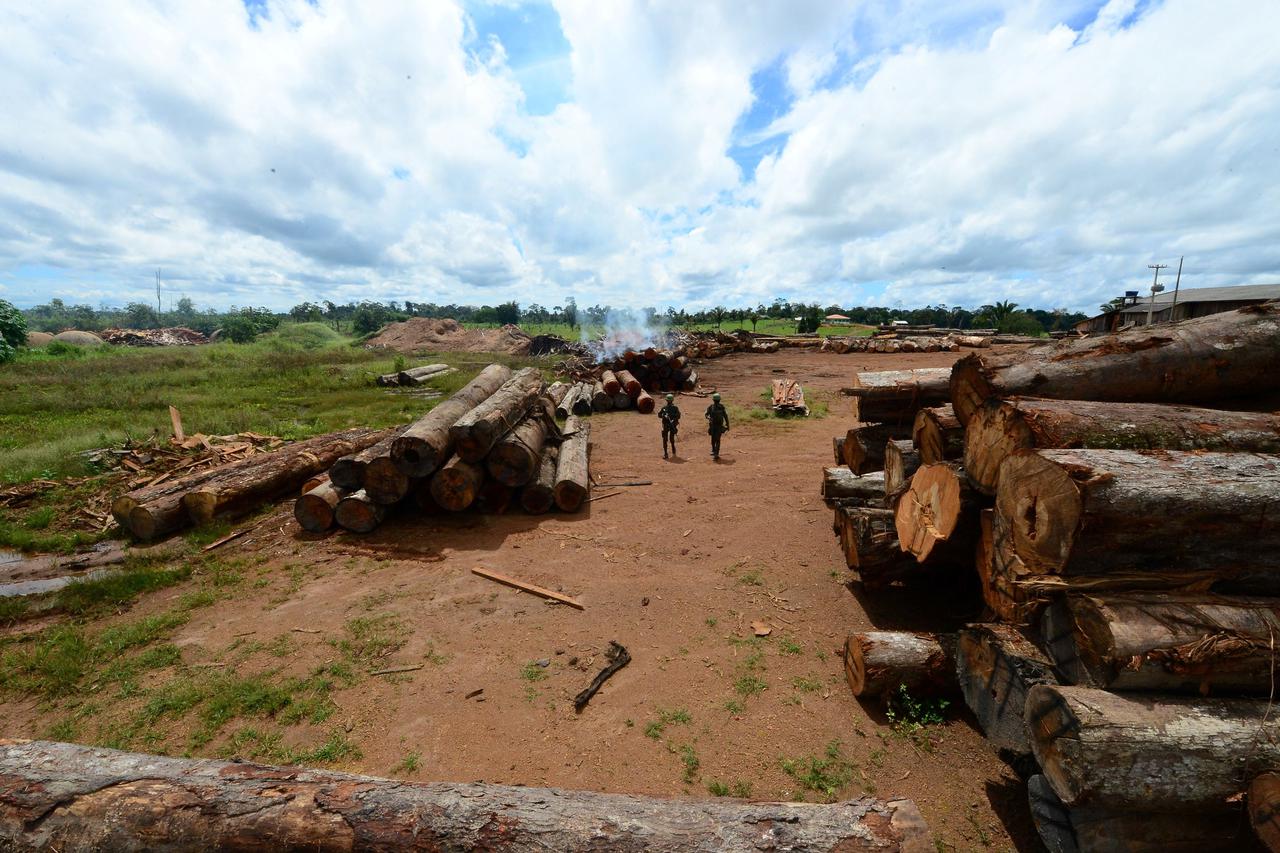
(177, 336)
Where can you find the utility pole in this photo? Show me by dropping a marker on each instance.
(1155, 288)
(1177, 281)
(158, 310)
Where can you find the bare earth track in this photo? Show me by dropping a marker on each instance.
(675, 571)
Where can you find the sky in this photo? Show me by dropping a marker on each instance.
(633, 153)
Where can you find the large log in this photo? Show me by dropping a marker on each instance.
(427, 443)
(314, 508)
(622, 400)
(538, 496)
(999, 428)
(1176, 643)
(1264, 809)
(1095, 511)
(68, 797)
(515, 459)
(870, 546)
(419, 375)
(494, 497)
(894, 396)
(644, 403)
(901, 461)
(573, 480)
(564, 407)
(1196, 361)
(385, 481)
(936, 516)
(938, 434)
(457, 485)
(582, 402)
(1149, 752)
(996, 667)
(475, 433)
(864, 446)
(629, 383)
(609, 380)
(347, 472)
(556, 391)
(358, 513)
(837, 444)
(843, 484)
(879, 663)
(601, 400)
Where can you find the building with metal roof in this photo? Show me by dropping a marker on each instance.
(1168, 307)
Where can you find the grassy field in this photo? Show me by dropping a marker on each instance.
(764, 327)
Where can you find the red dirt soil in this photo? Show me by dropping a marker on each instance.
(420, 334)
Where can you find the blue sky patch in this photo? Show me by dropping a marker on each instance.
(537, 51)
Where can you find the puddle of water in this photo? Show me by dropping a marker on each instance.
(10, 557)
(36, 587)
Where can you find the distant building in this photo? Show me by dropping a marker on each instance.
(835, 318)
(1138, 310)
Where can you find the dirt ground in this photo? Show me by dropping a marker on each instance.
(677, 572)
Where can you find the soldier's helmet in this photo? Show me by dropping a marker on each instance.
(715, 397)
(670, 397)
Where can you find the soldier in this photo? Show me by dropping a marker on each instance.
(717, 423)
(670, 417)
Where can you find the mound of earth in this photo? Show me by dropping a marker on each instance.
(38, 339)
(80, 339)
(420, 334)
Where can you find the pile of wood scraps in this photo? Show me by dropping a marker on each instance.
(1127, 550)
(788, 398)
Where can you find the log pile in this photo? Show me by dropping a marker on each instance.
(1126, 546)
(889, 344)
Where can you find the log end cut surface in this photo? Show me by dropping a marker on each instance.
(1042, 506)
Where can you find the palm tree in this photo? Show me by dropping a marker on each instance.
(999, 313)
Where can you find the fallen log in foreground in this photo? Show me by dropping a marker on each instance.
(879, 663)
(996, 667)
(864, 446)
(475, 433)
(348, 471)
(1210, 358)
(70, 797)
(427, 443)
(314, 508)
(841, 483)
(573, 479)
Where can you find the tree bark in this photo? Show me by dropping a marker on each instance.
(427, 443)
(997, 666)
(1264, 809)
(1097, 511)
(494, 497)
(385, 481)
(841, 483)
(901, 461)
(609, 380)
(601, 400)
(515, 459)
(419, 375)
(644, 403)
(837, 444)
(1000, 428)
(538, 496)
(864, 446)
(894, 396)
(572, 478)
(74, 798)
(582, 404)
(1147, 751)
(348, 471)
(938, 435)
(1196, 361)
(556, 391)
(974, 341)
(475, 433)
(1175, 643)
(314, 509)
(877, 663)
(937, 515)
(358, 513)
(564, 408)
(629, 383)
(457, 485)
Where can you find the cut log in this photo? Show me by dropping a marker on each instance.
(837, 444)
(870, 546)
(609, 380)
(1175, 643)
(973, 341)
(423, 499)
(1001, 427)
(515, 459)
(864, 446)
(900, 462)
(1196, 361)
(556, 391)
(629, 383)
(564, 408)
(357, 513)
(427, 443)
(644, 403)
(938, 435)
(1096, 511)
(1264, 809)
(622, 400)
(572, 478)
(879, 663)
(67, 797)
(538, 496)
(894, 396)
(582, 404)
(419, 375)
(936, 516)
(1149, 752)
(348, 472)
(457, 485)
(996, 667)
(475, 433)
(494, 497)
(314, 509)
(690, 382)
(842, 484)
(601, 400)
(385, 482)
(236, 487)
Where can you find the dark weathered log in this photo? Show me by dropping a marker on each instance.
(837, 444)
(894, 396)
(357, 513)
(878, 663)
(1002, 427)
(385, 482)
(538, 496)
(419, 375)
(938, 435)
(73, 798)
(494, 497)
(1264, 809)
(457, 485)
(936, 517)
(241, 486)
(1176, 643)
(601, 400)
(475, 433)
(644, 403)
(427, 443)
(1096, 511)
(423, 499)
(864, 446)
(900, 462)
(690, 382)
(870, 546)
(556, 391)
(564, 408)
(582, 403)
(629, 383)
(314, 508)
(572, 477)
(609, 380)
(348, 472)
(515, 459)
(996, 667)
(1150, 752)
(841, 483)
(622, 400)
(1196, 361)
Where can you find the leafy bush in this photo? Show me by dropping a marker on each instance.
(239, 328)
(6, 352)
(13, 331)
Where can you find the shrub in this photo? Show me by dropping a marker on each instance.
(239, 328)
(13, 330)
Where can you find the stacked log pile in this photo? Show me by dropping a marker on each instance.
(1127, 549)
(895, 344)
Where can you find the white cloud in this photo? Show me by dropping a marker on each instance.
(966, 152)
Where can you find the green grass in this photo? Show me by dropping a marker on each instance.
(824, 775)
(689, 758)
(410, 764)
(370, 638)
(750, 685)
(95, 596)
(666, 717)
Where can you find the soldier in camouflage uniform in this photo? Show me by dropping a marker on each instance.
(717, 423)
(670, 417)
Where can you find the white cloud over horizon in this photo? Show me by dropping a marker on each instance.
(649, 153)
